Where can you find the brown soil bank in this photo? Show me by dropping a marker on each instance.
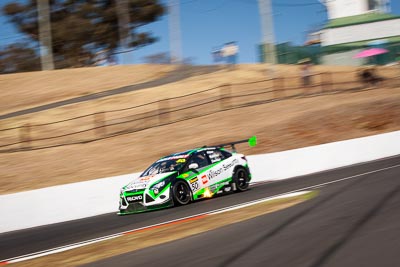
(296, 120)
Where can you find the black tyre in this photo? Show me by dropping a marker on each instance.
(181, 193)
(241, 179)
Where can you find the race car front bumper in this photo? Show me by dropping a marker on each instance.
(138, 207)
(141, 201)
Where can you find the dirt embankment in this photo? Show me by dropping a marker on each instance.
(279, 125)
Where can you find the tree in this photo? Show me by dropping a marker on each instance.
(18, 57)
(158, 58)
(83, 28)
(164, 58)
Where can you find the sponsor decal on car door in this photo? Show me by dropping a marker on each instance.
(221, 171)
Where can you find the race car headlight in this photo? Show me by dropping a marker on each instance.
(158, 187)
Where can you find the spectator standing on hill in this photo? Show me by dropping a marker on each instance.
(305, 72)
(369, 76)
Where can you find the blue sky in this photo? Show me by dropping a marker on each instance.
(209, 23)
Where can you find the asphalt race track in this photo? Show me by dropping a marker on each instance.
(353, 222)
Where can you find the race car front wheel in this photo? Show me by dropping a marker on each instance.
(181, 193)
(241, 179)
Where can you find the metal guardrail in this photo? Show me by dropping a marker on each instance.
(107, 124)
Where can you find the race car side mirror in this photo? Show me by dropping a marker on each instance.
(193, 166)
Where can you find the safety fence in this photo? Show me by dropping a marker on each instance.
(106, 124)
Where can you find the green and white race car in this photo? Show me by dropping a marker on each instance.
(187, 176)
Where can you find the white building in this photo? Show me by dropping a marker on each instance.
(347, 8)
(354, 25)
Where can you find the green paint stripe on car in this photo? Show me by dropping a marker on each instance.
(128, 194)
(161, 179)
(151, 192)
(198, 193)
(205, 169)
(186, 176)
(193, 174)
(221, 185)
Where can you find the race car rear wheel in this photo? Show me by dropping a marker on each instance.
(241, 179)
(181, 193)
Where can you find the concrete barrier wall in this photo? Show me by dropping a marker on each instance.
(296, 162)
(90, 198)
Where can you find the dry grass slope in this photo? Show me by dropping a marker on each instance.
(280, 125)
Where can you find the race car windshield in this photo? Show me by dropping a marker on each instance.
(164, 165)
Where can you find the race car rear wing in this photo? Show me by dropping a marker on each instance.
(252, 141)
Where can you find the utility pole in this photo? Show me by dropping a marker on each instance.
(174, 32)
(123, 25)
(267, 28)
(46, 50)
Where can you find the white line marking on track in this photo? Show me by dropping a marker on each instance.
(100, 239)
(343, 179)
(65, 248)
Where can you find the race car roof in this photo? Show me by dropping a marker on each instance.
(187, 153)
